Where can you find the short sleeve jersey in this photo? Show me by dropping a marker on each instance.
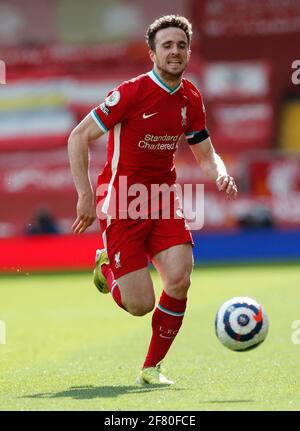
(145, 120)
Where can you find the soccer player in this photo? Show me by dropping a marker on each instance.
(145, 118)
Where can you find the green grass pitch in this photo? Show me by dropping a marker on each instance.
(70, 348)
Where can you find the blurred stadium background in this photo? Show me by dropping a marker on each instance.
(63, 56)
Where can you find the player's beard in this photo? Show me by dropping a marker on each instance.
(169, 75)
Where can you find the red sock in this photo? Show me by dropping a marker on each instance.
(166, 321)
(112, 285)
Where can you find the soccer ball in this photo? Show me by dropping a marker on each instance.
(241, 324)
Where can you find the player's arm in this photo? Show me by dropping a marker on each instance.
(78, 151)
(214, 167)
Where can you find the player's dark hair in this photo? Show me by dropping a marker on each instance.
(165, 22)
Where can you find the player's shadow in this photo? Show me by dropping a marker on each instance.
(89, 392)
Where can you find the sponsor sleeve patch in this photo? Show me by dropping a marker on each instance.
(104, 109)
(113, 99)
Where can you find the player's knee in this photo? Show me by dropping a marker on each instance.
(140, 309)
(180, 279)
(178, 284)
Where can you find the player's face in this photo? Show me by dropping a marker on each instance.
(172, 53)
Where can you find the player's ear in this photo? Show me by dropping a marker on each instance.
(152, 55)
(189, 54)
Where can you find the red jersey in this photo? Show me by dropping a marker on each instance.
(145, 120)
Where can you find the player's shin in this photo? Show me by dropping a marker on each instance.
(166, 322)
(112, 285)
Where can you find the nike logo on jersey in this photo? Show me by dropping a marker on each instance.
(149, 115)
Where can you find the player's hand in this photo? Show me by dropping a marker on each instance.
(86, 214)
(226, 184)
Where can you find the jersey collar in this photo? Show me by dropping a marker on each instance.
(153, 75)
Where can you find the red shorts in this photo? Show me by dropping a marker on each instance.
(131, 243)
